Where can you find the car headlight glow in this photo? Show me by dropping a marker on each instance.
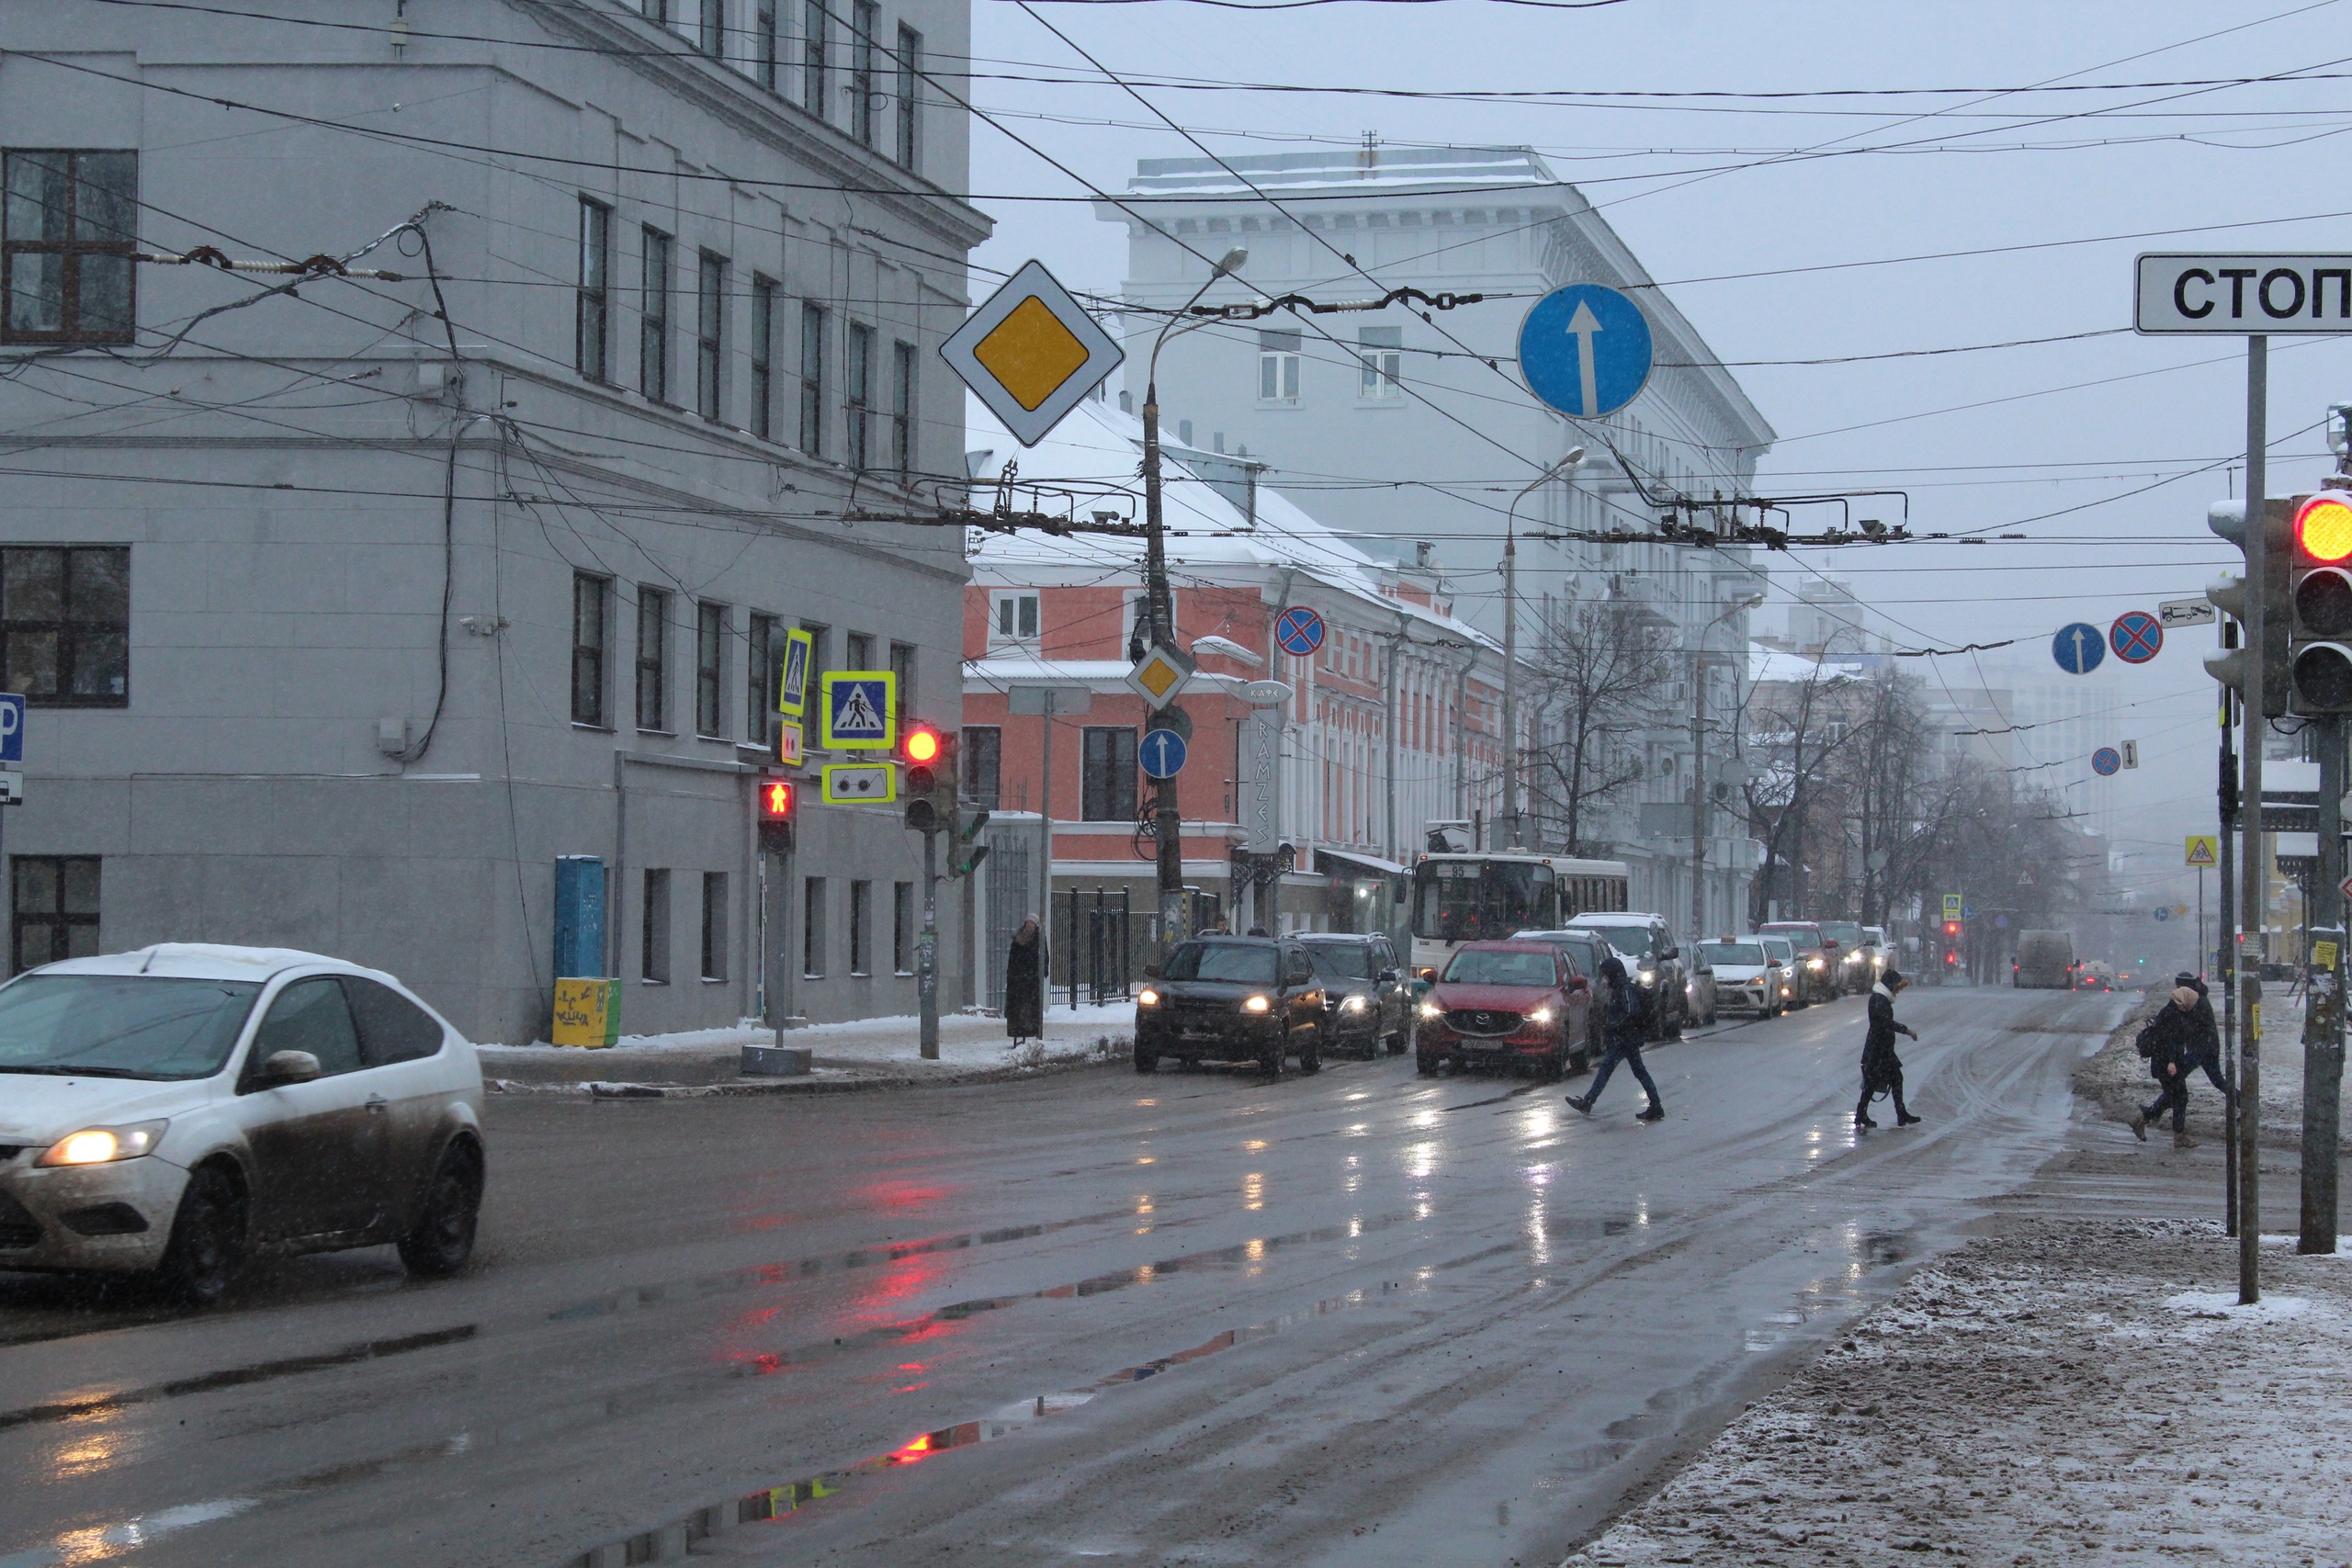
(1430, 1009)
(1647, 975)
(1256, 1004)
(1813, 963)
(1541, 1015)
(1146, 998)
(1355, 1004)
(103, 1146)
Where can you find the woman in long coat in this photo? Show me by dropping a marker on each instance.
(1881, 1068)
(1025, 984)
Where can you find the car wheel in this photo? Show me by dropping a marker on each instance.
(1425, 1063)
(207, 1241)
(444, 1237)
(1269, 1061)
(1556, 1065)
(1310, 1055)
(1147, 1061)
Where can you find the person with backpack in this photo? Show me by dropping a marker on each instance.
(1881, 1068)
(2164, 1043)
(2204, 1036)
(1624, 1019)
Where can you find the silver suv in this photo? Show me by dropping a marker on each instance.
(180, 1109)
(1647, 943)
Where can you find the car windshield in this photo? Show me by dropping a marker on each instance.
(1486, 966)
(1464, 900)
(1738, 954)
(1803, 936)
(1631, 941)
(1236, 962)
(121, 1026)
(1843, 933)
(1343, 960)
(1780, 948)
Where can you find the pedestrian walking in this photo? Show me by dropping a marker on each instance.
(2204, 1035)
(1625, 1019)
(2164, 1040)
(1881, 1068)
(1025, 984)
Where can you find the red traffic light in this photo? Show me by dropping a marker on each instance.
(922, 743)
(2324, 528)
(1951, 927)
(776, 800)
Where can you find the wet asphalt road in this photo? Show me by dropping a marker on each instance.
(1363, 1317)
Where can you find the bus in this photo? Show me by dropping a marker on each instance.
(1459, 897)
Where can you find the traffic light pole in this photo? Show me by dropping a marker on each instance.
(2252, 903)
(2225, 944)
(927, 947)
(2323, 1005)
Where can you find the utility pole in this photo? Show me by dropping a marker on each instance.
(2225, 946)
(927, 948)
(2323, 1007)
(2253, 907)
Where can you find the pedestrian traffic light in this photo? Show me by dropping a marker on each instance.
(929, 752)
(2321, 590)
(776, 800)
(1951, 927)
(2231, 666)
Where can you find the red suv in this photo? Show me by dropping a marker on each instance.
(1506, 1003)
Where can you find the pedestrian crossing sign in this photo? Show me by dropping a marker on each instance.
(2203, 849)
(792, 674)
(1952, 907)
(860, 711)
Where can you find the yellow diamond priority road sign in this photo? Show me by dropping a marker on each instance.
(1031, 352)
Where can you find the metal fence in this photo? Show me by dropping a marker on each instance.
(1099, 950)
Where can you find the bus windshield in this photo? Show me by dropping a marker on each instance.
(1464, 900)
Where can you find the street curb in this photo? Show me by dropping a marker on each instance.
(1109, 1050)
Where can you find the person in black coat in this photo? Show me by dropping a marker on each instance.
(1025, 984)
(2165, 1042)
(1881, 1068)
(2204, 1035)
(1621, 1026)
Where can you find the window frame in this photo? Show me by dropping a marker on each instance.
(71, 251)
(712, 628)
(714, 927)
(1002, 599)
(903, 372)
(652, 666)
(1103, 783)
(1381, 360)
(710, 335)
(908, 154)
(816, 39)
(762, 355)
(763, 642)
(592, 312)
(980, 771)
(860, 928)
(1280, 356)
(865, 18)
(902, 665)
(857, 395)
(710, 36)
(592, 660)
(812, 377)
(71, 636)
(902, 929)
(60, 921)
(812, 928)
(653, 926)
(857, 650)
(765, 55)
(657, 254)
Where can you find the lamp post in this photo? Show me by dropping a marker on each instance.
(1512, 836)
(1699, 763)
(1168, 822)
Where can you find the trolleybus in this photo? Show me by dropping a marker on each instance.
(1474, 897)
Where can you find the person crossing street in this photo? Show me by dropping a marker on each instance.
(2165, 1041)
(1621, 1026)
(2204, 1036)
(1881, 1068)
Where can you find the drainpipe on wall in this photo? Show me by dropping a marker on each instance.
(1395, 640)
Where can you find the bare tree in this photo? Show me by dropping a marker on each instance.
(1795, 728)
(1601, 666)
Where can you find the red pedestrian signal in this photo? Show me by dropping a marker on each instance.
(1951, 927)
(776, 798)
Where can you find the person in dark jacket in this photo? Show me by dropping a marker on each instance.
(1881, 1068)
(1025, 984)
(2205, 1036)
(1621, 1027)
(2164, 1041)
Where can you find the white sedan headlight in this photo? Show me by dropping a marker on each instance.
(1355, 1004)
(103, 1146)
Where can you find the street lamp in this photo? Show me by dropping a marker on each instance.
(1167, 820)
(1698, 762)
(1512, 835)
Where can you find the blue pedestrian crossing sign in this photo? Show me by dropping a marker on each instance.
(1161, 754)
(1585, 349)
(860, 711)
(2078, 647)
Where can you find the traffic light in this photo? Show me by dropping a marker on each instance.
(972, 826)
(929, 753)
(2321, 590)
(2227, 518)
(777, 798)
(1951, 927)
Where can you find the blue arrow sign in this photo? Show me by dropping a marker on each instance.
(2163, 913)
(1300, 631)
(2078, 647)
(1161, 753)
(2106, 761)
(1585, 350)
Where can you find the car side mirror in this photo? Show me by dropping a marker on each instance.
(288, 1066)
(1151, 972)
(1389, 976)
(1578, 982)
(1671, 953)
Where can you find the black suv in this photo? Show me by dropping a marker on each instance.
(1232, 998)
(1363, 991)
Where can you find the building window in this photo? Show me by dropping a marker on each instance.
(710, 670)
(902, 407)
(902, 928)
(857, 373)
(592, 641)
(710, 328)
(820, 652)
(653, 965)
(861, 73)
(763, 357)
(65, 625)
(653, 329)
(1012, 617)
(759, 673)
(714, 925)
(56, 909)
(909, 150)
(658, 11)
(857, 648)
(812, 928)
(981, 775)
(902, 665)
(72, 221)
(1107, 789)
(1278, 359)
(815, 25)
(861, 931)
(813, 379)
(1380, 350)
(595, 313)
(711, 37)
(653, 659)
(764, 44)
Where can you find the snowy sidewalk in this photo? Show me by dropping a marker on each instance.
(2073, 1386)
(2118, 1079)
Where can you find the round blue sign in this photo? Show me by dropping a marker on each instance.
(2078, 647)
(2106, 761)
(1585, 350)
(1300, 631)
(1161, 754)
(2136, 636)
(2163, 913)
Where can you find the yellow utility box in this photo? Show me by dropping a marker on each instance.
(587, 1012)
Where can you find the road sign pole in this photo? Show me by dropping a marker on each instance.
(2253, 904)
(1168, 821)
(927, 948)
(2225, 958)
(2323, 1009)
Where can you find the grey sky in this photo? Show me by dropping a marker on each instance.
(1974, 172)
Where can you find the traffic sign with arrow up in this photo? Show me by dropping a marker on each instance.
(1585, 350)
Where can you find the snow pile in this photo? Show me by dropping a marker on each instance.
(2072, 1387)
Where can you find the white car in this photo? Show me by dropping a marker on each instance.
(180, 1109)
(1747, 976)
